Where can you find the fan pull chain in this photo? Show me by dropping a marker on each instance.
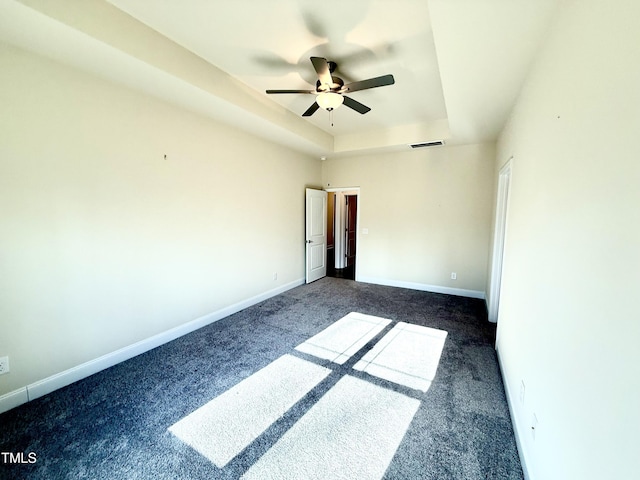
(331, 116)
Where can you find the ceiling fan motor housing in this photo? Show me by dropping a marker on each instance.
(337, 84)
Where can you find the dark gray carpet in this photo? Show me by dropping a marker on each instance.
(113, 425)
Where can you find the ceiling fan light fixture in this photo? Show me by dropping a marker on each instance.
(329, 89)
(329, 100)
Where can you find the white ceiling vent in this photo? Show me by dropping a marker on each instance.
(437, 143)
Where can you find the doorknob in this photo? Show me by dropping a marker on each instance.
(309, 241)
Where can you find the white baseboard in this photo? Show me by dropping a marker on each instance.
(516, 432)
(62, 379)
(461, 292)
(13, 399)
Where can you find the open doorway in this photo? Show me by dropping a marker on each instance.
(342, 227)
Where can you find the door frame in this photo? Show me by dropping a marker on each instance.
(352, 191)
(499, 237)
(349, 206)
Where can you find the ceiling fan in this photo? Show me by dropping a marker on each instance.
(330, 91)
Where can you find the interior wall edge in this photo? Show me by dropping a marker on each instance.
(486, 306)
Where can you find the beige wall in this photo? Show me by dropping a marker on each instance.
(568, 324)
(104, 242)
(428, 213)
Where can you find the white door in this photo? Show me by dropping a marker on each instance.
(316, 234)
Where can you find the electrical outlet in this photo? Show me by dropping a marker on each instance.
(522, 392)
(454, 276)
(4, 365)
(534, 426)
(275, 275)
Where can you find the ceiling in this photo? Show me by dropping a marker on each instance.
(458, 64)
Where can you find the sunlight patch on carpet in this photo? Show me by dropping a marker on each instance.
(342, 339)
(408, 355)
(227, 424)
(352, 432)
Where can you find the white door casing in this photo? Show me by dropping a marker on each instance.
(316, 234)
(340, 224)
(504, 181)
